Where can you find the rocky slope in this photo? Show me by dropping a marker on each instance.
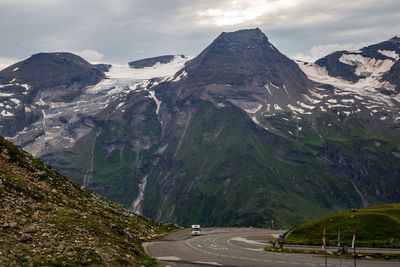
(47, 219)
(239, 135)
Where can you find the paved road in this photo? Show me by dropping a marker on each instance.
(234, 247)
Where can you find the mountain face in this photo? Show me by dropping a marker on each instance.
(49, 220)
(368, 62)
(39, 80)
(244, 69)
(238, 135)
(150, 62)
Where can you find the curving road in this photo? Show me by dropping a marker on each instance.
(234, 247)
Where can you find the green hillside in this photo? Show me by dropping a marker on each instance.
(218, 168)
(377, 226)
(49, 220)
(225, 170)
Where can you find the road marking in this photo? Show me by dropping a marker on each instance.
(209, 263)
(168, 258)
(242, 239)
(214, 246)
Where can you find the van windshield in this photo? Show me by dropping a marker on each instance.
(195, 229)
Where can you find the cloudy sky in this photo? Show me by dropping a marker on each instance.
(118, 31)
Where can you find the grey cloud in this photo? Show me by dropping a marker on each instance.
(124, 30)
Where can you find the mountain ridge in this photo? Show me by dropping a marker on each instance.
(200, 146)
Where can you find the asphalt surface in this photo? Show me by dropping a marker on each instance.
(235, 247)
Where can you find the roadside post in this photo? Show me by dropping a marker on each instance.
(281, 241)
(324, 247)
(353, 245)
(338, 244)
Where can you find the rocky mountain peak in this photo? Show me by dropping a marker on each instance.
(236, 57)
(52, 69)
(245, 64)
(242, 39)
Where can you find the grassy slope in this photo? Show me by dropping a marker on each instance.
(377, 226)
(47, 219)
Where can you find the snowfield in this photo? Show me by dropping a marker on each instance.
(156, 71)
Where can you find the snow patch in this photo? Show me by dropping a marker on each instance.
(366, 65)
(364, 87)
(337, 106)
(158, 70)
(6, 94)
(40, 102)
(181, 76)
(266, 86)
(119, 105)
(347, 100)
(305, 105)
(284, 87)
(16, 101)
(255, 120)
(315, 94)
(293, 108)
(158, 102)
(13, 80)
(254, 110)
(277, 107)
(27, 109)
(26, 86)
(5, 113)
(390, 53)
(16, 69)
(274, 85)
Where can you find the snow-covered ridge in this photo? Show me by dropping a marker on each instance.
(390, 53)
(367, 65)
(366, 87)
(157, 71)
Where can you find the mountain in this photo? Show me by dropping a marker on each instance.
(39, 79)
(368, 62)
(238, 135)
(150, 62)
(48, 220)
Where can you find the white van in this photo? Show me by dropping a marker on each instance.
(195, 229)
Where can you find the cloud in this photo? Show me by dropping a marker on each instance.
(90, 55)
(237, 12)
(6, 62)
(125, 30)
(319, 51)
